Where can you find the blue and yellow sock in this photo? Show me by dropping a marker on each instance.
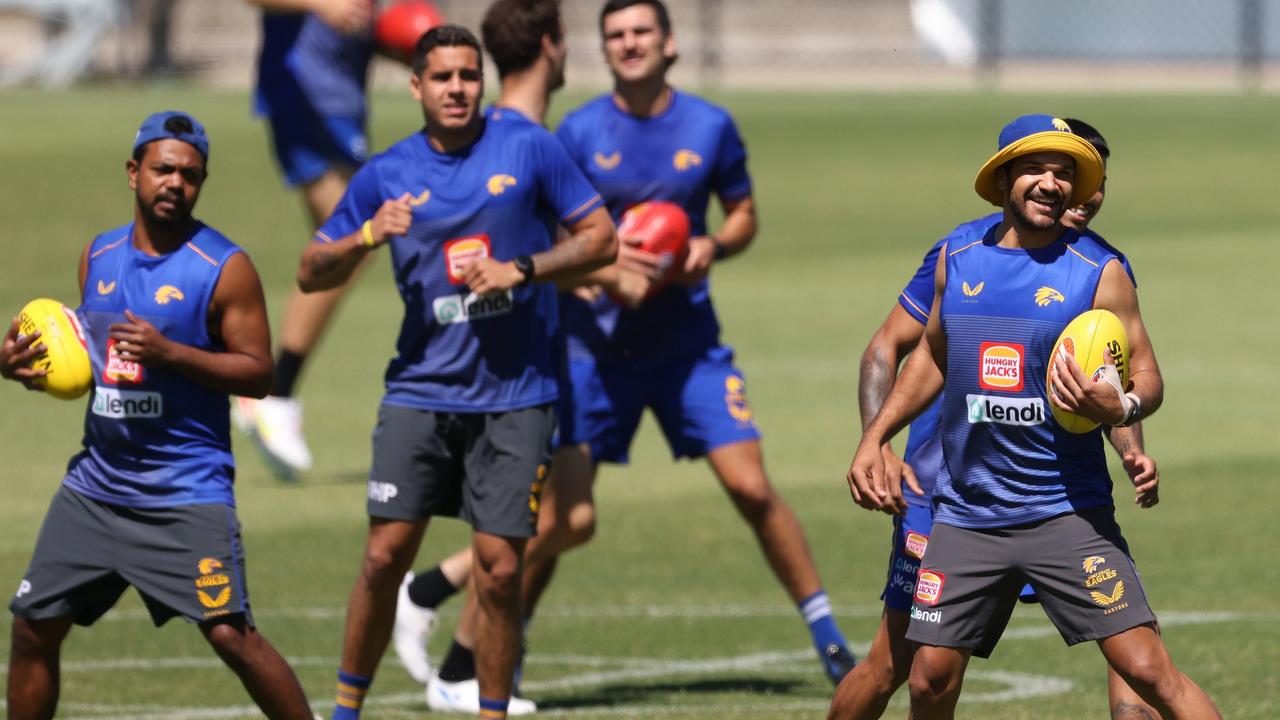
(816, 610)
(493, 709)
(351, 692)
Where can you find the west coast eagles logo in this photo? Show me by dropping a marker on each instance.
(685, 160)
(214, 602)
(1061, 125)
(1046, 295)
(608, 162)
(498, 184)
(167, 293)
(735, 397)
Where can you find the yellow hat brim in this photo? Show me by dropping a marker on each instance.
(1089, 167)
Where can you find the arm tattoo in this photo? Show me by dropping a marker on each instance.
(875, 379)
(324, 261)
(570, 254)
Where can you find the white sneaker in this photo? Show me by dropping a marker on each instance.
(412, 633)
(276, 425)
(464, 697)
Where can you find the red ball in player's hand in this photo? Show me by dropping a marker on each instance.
(662, 228)
(401, 24)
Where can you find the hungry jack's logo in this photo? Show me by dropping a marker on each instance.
(461, 252)
(1001, 366)
(119, 371)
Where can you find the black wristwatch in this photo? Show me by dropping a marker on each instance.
(524, 264)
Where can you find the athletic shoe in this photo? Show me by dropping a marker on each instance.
(838, 661)
(464, 697)
(412, 633)
(276, 425)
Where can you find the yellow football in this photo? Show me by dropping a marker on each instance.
(1086, 337)
(66, 358)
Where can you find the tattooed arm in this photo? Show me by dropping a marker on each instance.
(330, 264)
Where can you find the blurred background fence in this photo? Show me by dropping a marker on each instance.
(1088, 44)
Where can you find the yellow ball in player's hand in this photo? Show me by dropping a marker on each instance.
(1086, 338)
(66, 357)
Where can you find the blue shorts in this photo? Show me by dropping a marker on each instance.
(308, 143)
(700, 403)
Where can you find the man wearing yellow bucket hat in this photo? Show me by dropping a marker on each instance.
(1018, 498)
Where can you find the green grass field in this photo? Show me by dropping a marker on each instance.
(671, 611)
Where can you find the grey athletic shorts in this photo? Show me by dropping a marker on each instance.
(185, 560)
(486, 468)
(1078, 563)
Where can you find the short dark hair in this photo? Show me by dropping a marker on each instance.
(178, 125)
(1090, 135)
(443, 36)
(513, 31)
(613, 6)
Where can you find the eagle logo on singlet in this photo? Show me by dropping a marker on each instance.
(974, 290)
(106, 288)
(499, 183)
(608, 162)
(685, 160)
(1046, 295)
(167, 293)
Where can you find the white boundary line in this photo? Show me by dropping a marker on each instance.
(606, 670)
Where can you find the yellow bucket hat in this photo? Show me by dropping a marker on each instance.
(1042, 133)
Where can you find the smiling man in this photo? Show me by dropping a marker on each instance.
(1018, 499)
(467, 207)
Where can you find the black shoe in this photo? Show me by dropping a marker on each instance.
(838, 661)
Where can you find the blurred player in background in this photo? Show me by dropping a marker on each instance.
(468, 209)
(526, 41)
(661, 145)
(866, 691)
(312, 72)
(1048, 517)
(175, 321)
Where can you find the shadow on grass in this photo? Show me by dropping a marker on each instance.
(636, 693)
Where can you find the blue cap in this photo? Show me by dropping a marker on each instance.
(153, 129)
(1043, 133)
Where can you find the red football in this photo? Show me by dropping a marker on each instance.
(663, 229)
(401, 24)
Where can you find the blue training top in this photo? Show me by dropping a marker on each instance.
(500, 196)
(303, 59)
(681, 155)
(1006, 461)
(917, 299)
(153, 437)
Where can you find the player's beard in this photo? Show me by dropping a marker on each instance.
(1020, 216)
(181, 214)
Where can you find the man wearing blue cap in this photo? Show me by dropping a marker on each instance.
(174, 322)
(1017, 498)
